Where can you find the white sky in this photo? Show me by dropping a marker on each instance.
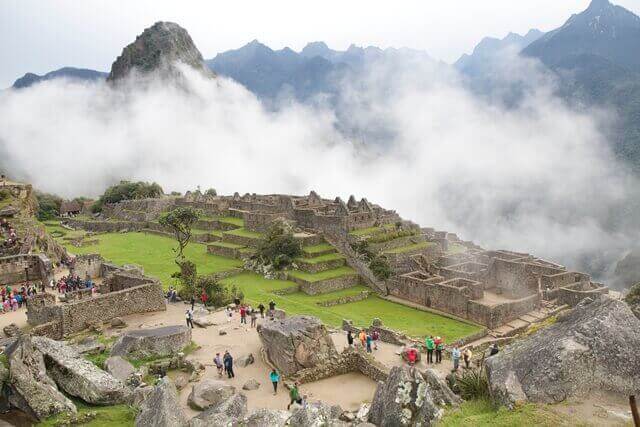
(40, 36)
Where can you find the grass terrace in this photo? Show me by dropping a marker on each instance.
(413, 322)
(323, 275)
(409, 248)
(213, 232)
(322, 258)
(238, 222)
(227, 245)
(371, 230)
(316, 249)
(243, 232)
(482, 413)
(456, 248)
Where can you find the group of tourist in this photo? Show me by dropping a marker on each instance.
(72, 283)
(368, 340)
(224, 364)
(11, 238)
(13, 300)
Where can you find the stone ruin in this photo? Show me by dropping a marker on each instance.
(123, 291)
(18, 269)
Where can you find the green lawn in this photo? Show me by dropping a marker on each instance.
(95, 416)
(409, 248)
(323, 275)
(201, 231)
(154, 253)
(371, 230)
(231, 220)
(482, 413)
(243, 232)
(322, 258)
(413, 322)
(227, 245)
(322, 247)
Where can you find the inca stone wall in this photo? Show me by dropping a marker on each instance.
(88, 266)
(22, 268)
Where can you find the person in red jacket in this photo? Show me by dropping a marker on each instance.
(243, 314)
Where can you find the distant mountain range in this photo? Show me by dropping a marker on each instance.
(595, 56)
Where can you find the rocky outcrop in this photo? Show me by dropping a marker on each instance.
(11, 330)
(209, 392)
(79, 377)
(119, 367)
(89, 345)
(407, 399)
(161, 408)
(30, 389)
(157, 342)
(244, 360)
(160, 48)
(251, 384)
(296, 343)
(316, 414)
(224, 413)
(266, 418)
(594, 346)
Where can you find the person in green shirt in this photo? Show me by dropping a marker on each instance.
(430, 347)
(294, 394)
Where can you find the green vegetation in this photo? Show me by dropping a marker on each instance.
(179, 221)
(322, 258)
(98, 359)
(257, 289)
(279, 248)
(322, 247)
(94, 416)
(456, 248)
(126, 190)
(48, 206)
(372, 230)
(388, 236)
(380, 267)
(409, 248)
(243, 232)
(154, 253)
(478, 413)
(633, 297)
(323, 275)
(473, 384)
(239, 222)
(4, 360)
(227, 245)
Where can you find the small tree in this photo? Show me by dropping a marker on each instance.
(279, 247)
(211, 192)
(180, 221)
(380, 267)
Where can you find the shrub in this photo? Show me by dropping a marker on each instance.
(380, 267)
(4, 195)
(362, 248)
(211, 192)
(473, 384)
(126, 190)
(48, 206)
(279, 247)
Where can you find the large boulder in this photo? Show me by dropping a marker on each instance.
(266, 418)
(224, 413)
(405, 399)
(88, 345)
(119, 367)
(296, 343)
(79, 377)
(156, 342)
(30, 389)
(161, 408)
(593, 347)
(316, 414)
(11, 330)
(209, 392)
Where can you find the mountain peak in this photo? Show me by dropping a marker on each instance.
(158, 48)
(599, 4)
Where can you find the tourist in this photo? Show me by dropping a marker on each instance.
(228, 364)
(243, 314)
(272, 309)
(192, 302)
(455, 356)
(219, 366)
(14, 303)
(229, 313)
(274, 376)
(412, 356)
(494, 349)
(261, 308)
(430, 347)
(369, 340)
(254, 317)
(204, 297)
(467, 357)
(189, 316)
(439, 342)
(349, 339)
(376, 336)
(362, 336)
(294, 395)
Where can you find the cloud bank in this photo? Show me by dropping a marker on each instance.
(537, 178)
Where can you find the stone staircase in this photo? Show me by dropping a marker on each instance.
(548, 309)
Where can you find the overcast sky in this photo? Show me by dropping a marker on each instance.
(40, 36)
